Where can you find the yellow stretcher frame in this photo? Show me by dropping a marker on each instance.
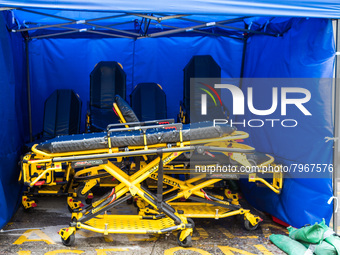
(128, 184)
(226, 141)
(132, 183)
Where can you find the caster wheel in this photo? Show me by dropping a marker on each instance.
(88, 201)
(27, 210)
(187, 242)
(79, 189)
(69, 241)
(248, 226)
(190, 221)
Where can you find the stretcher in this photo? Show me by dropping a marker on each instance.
(100, 154)
(193, 186)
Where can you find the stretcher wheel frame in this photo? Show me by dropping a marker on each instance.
(69, 241)
(187, 242)
(68, 236)
(251, 222)
(80, 193)
(248, 226)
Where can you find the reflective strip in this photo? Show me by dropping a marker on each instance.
(310, 250)
(328, 233)
(210, 24)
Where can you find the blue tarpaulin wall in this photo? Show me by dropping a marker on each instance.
(67, 63)
(13, 108)
(305, 50)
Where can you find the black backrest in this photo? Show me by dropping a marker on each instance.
(107, 80)
(148, 101)
(200, 66)
(126, 110)
(62, 113)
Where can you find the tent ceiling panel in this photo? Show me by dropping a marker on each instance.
(292, 8)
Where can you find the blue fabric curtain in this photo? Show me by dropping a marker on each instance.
(67, 63)
(305, 51)
(13, 112)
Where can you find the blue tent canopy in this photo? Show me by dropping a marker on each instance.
(290, 8)
(154, 41)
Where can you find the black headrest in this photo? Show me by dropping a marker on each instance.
(127, 112)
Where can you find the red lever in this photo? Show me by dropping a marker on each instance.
(39, 183)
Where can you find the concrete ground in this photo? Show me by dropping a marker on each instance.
(35, 232)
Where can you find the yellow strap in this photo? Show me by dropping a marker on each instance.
(120, 115)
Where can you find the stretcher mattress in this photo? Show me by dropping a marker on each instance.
(93, 141)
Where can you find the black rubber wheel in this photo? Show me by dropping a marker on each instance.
(88, 201)
(79, 189)
(69, 241)
(27, 210)
(187, 242)
(191, 221)
(248, 226)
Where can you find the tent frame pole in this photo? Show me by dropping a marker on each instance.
(336, 127)
(201, 32)
(244, 50)
(28, 77)
(146, 20)
(186, 29)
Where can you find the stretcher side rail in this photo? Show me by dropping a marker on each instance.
(145, 152)
(230, 138)
(142, 123)
(144, 128)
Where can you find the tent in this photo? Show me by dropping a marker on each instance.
(47, 45)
